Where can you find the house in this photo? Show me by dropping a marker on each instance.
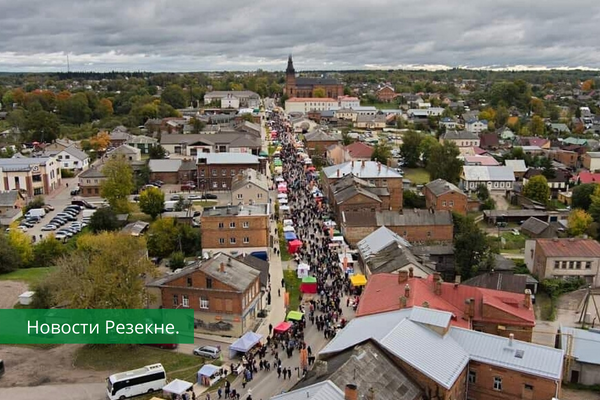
(306, 104)
(249, 187)
(383, 251)
(33, 176)
(563, 258)
(386, 94)
(583, 346)
(230, 101)
(223, 291)
(352, 194)
(118, 136)
(565, 157)
(558, 183)
(536, 228)
(241, 98)
(373, 172)
(476, 365)
(442, 195)
(72, 158)
(217, 170)
(575, 141)
(505, 134)
(348, 102)
(485, 310)
(476, 126)
(533, 141)
(448, 123)
(462, 139)
(514, 283)
(358, 151)
(318, 140)
(235, 228)
(560, 129)
(378, 121)
(11, 200)
(59, 145)
(500, 178)
(591, 161)
(489, 140)
(260, 265)
(90, 181)
(128, 153)
(587, 177)
(191, 145)
(487, 161)
(518, 166)
(165, 170)
(416, 226)
(142, 142)
(346, 114)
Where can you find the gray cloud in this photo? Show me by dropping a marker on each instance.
(196, 35)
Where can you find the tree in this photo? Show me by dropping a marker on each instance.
(425, 147)
(152, 202)
(105, 271)
(502, 116)
(346, 139)
(381, 152)
(443, 162)
(166, 236)
(537, 126)
(547, 168)
(75, 109)
(471, 247)
(21, 242)
(582, 195)
(537, 189)
(537, 106)
(319, 93)
(411, 199)
(174, 96)
(197, 125)
(247, 117)
(594, 209)
(101, 141)
(118, 184)
(104, 219)
(9, 258)
(177, 260)
(42, 293)
(482, 192)
(157, 152)
(43, 126)
(37, 202)
(104, 109)
(411, 142)
(578, 222)
(47, 251)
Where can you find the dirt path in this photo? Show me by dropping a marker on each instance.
(9, 293)
(33, 367)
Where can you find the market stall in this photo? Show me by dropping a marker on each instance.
(289, 229)
(295, 316)
(288, 222)
(308, 285)
(289, 236)
(358, 280)
(282, 327)
(245, 343)
(294, 246)
(176, 388)
(302, 270)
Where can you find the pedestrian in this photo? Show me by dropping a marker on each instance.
(219, 391)
(289, 373)
(282, 282)
(244, 381)
(207, 396)
(193, 395)
(270, 328)
(279, 292)
(279, 372)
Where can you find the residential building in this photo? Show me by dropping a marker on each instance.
(306, 87)
(217, 170)
(235, 228)
(442, 195)
(487, 161)
(591, 161)
(11, 200)
(71, 158)
(126, 152)
(358, 151)
(142, 142)
(249, 187)
(507, 282)
(536, 228)
(476, 126)
(476, 365)
(118, 136)
(191, 145)
(534, 141)
(583, 346)
(462, 139)
(352, 194)
(346, 114)
(564, 258)
(565, 157)
(239, 98)
(418, 227)
(499, 178)
(223, 291)
(485, 310)
(90, 182)
(348, 102)
(33, 176)
(518, 166)
(422, 115)
(165, 170)
(506, 134)
(378, 121)
(307, 104)
(448, 123)
(558, 183)
(386, 94)
(489, 140)
(318, 140)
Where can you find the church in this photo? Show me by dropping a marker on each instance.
(305, 87)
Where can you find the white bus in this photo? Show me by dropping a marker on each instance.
(135, 382)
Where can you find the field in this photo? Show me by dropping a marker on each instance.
(27, 275)
(418, 176)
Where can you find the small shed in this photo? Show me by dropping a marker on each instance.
(26, 298)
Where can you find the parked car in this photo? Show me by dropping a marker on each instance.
(194, 197)
(48, 208)
(84, 204)
(209, 196)
(207, 352)
(515, 232)
(26, 224)
(60, 236)
(33, 220)
(176, 197)
(75, 192)
(49, 227)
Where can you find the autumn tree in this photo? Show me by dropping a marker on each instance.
(152, 202)
(588, 85)
(101, 141)
(537, 126)
(9, 258)
(105, 271)
(118, 184)
(537, 189)
(47, 252)
(104, 109)
(578, 222)
(21, 243)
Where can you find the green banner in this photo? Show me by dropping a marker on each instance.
(165, 326)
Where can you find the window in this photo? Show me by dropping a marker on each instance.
(38, 191)
(224, 172)
(214, 172)
(215, 185)
(36, 178)
(232, 240)
(233, 172)
(444, 203)
(221, 240)
(221, 225)
(66, 165)
(588, 265)
(497, 383)
(528, 387)
(209, 283)
(472, 377)
(175, 300)
(577, 264)
(17, 181)
(202, 173)
(204, 303)
(185, 301)
(451, 203)
(224, 185)
(232, 225)
(246, 224)
(67, 157)
(259, 195)
(556, 264)
(240, 196)
(228, 305)
(246, 240)
(428, 233)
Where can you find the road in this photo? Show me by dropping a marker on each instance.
(77, 391)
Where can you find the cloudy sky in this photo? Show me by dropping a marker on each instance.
(202, 35)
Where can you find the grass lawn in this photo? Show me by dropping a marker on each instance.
(28, 275)
(557, 205)
(514, 242)
(292, 285)
(205, 203)
(285, 255)
(418, 176)
(544, 307)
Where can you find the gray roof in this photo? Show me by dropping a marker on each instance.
(245, 210)
(593, 154)
(351, 191)
(139, 139)
(135, 228)
(414, 217)
(379, 240)
(319, 135)
(228, 158)
(516, 165)
(22, 163)
(176, 138)
(371, 169)
(325, 390)
(460, 135)
(486, 173)
(440, 186)
(236, 93)
(164, 165)
(8, 199)
(126, 149)
(91, 173)
(249, 177)
(258, 264)
(506, 282)
(428, 316)
(75, 152)
(535, 226)
(586, 344)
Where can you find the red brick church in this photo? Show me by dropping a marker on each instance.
(305, 87)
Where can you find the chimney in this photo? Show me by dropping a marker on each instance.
(402, 302)
(469, 308)
(527, 298)
(511, 339)
(402, 276)
(378, 166)
(222, 267)
(425, 304)
(351, 392)
(457, 279)
(437, 288)
(411, 272)
(407, 291)
(363, 164)
(338, 173)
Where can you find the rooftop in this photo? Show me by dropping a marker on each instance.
(364, 170)
(485, 173)
(164, 165)
(312, 100)
(227, 158)
(236, 93)
(516, 165)
(460, 135)
(586, 344)
(378, 240)
(440, 186)
(569, 247)
(359, 150)
(535, 225)
(247, 177)
(239, 211)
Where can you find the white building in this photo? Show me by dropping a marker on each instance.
(476, 126)
(246, 98)
(348, 102)
(307, 104)
(426, 112)
(72, 158)
(35, 176)
(230, 101)
(497, 178)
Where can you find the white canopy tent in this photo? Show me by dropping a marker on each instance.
(177, 387)
(302, 270)
(289, 229)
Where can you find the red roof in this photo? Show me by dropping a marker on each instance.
(383, 292)
(359, 150)
(569, 247)
(479, 151)
(588, 177)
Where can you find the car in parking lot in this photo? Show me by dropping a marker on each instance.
(65, 232)
(60, 236)
(26, 224)
(75, 192)
(33, 220)
(209, 196)
(176, 197)
(207, 352)
(194, 197)
(48, 208)
(49, 227)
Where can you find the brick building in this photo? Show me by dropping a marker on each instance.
(90, 182)
(565, 157)
(217, 170)
(33, 176)
(233, 228)
(305, 87)
(352, 194)
(224, 293)
(317, 141)
(442, 195)
(386, 94)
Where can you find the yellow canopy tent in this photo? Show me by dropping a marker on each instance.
(358, 280)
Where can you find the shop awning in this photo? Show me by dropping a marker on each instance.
(208, 370)
(295, 316)
(177, 387)
(282, 327)
(309, 279)
(245, 343)
(289, 236)
(358, 280)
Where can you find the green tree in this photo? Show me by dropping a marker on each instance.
(197, 125)
(594, 209)
(482, 192)
(537, 126)
(42, 126)
(157, 152)
(411, 142)
(579, 222)
(42, 294)
(425, 147)
(247, 117)
(174, 96)
(36, 202)
(75, 109)
(152, 202)
(319, 93)
(104, 219)
(582, 195)
(502, 116)
(346, 139)
(47, 251)
(9, 258)
(537, 189)
(21, 243)
(471, 248)
(177, 260)
(547, 169)
(443, 162)
(163, 237)
(411, 199)
(118, 184)
(537, 106)
(381, 152)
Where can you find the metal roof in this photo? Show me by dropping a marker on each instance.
(569, 247)
(366, 170)
(516, 165)
(325, 390)
(431, 317)
(440, 186)
(378, 240)
(164, 165)
(586, 344)
(228, 158)
(487, 173)
(525, 357)
(237, 210)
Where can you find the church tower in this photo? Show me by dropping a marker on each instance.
(290, 78)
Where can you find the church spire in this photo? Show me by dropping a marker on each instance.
(290, 66)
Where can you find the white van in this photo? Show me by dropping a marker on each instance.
(35, 212)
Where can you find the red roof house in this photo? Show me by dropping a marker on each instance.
(491, 311)
(588, 177)
(359, 151)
